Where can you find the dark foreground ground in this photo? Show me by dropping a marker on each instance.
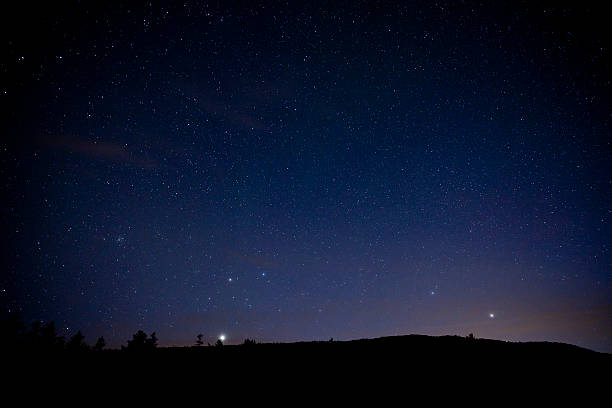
(453, 353)
(447, 368)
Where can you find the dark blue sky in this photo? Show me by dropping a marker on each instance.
(293, 172)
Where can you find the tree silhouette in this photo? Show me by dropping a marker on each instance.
(199, 341)
(140, 342)
(249, 342)
(44, 337)
(76, 343)
(152, 341)
(219, 343)
(13, 332)
(100, 344)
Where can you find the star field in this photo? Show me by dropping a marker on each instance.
(286, 171)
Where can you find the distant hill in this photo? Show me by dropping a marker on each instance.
(410, 350)
(413, 347)
(405, 361)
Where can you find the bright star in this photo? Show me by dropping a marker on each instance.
(491, 315)
(222, 337)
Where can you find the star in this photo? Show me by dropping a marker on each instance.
(332, 201)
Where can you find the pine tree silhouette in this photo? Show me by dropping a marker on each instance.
(13, 332)
(138, 342)
(76, 343)
(151, 342)
(100, 344)
(44, 337)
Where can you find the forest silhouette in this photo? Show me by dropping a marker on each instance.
(41, 346)
(44, 338)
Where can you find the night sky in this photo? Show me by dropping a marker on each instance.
(290, 171)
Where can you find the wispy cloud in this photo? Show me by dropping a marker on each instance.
(105, 151)
(239, 114)
(255, 260)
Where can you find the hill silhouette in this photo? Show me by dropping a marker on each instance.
(46, 357)
(414, 350)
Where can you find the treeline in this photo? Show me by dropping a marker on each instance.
(44, 337)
